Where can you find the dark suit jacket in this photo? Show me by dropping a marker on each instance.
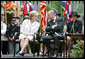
(77, 26)
(11, 30)
(58, 29)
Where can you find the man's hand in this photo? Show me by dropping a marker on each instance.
(54, 26)
(11, 39)
(66, 33)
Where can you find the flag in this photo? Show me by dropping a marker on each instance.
(31, 7)
(68, 10)
(17, 9)
(63, 5)
(10, 5)
(66, 5)
(27, 8)
(43, 16)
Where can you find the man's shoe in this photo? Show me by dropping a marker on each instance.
(55, 54)
(50, 54)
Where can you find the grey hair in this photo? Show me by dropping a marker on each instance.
(51, 11)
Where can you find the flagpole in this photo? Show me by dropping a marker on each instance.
(41, 26)
(40, 23)
(40, 30)
(63, 13)
(18, 8)
(15, 9)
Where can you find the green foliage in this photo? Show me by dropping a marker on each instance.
(78, 50)
(48, 8)
(55, 5)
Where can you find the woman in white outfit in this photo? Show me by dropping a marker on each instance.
(28, 28)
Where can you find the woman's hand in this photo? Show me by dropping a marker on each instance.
(26, 34)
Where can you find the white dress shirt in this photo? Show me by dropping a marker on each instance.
(54, 22)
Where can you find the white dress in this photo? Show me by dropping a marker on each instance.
(28, 28)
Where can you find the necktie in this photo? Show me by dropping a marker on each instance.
(72, 28)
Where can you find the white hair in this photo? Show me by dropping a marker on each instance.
(33, 12)
(51, 11)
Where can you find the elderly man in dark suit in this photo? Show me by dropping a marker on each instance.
(12, 33)
(75, 26)
(55, 31)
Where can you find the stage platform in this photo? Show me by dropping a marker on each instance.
(26, 56)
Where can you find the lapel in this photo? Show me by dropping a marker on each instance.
(74, 23)
(57, 20)
(51, 23)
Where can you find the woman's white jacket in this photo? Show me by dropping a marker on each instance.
(29, 28)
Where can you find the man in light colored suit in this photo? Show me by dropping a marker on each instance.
(3, 37)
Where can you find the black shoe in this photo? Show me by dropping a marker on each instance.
(17, 52)
(44, 55)
(55, 54)
(50, 54)
(22, 54)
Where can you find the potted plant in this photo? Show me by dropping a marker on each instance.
(78, 50)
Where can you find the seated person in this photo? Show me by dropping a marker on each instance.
(18, 20)
(3, 31)
(75, 26)
(58, 16)
(12, 33)
(55, 29)
(28, 28)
